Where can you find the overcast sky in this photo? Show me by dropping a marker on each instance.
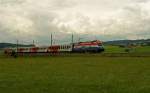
(29, 20)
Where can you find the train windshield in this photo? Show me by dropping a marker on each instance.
(99, 44)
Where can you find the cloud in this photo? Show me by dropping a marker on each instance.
(128, 22)
(92, 19)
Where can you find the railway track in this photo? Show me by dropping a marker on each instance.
(125, 54)
(97, 54)
(85, 55)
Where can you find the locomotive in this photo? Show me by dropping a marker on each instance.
(95, 46)
(91, 46)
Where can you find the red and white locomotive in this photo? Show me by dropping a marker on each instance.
(80, 47)
(90, 46)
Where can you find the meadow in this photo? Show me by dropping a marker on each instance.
(117, 49)
(78, 74)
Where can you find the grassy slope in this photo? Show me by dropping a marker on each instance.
(143, 49)
(117, 49)
(113, 49)
(75, 75)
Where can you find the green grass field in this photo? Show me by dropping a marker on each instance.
(117, 49)
(75, 75)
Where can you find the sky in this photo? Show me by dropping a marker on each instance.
(106, 20)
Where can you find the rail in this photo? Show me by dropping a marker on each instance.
(85, 55)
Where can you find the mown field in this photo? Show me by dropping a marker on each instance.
(117, 49)
(92, 74)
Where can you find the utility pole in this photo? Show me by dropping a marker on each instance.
(79, 39)
(33, 43)
(17, 45)
(17, 34)
(51, 39)
(72, 39)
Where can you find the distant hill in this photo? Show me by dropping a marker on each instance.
(5, 45)
(126, 42)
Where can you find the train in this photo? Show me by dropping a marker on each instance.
(95, 46)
